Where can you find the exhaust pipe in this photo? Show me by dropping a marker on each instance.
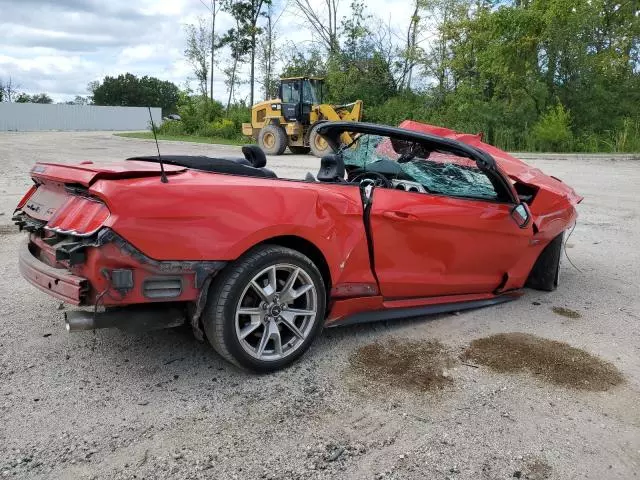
(131, 319)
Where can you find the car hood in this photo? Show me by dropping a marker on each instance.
(514, 168)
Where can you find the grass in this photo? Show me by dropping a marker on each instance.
(187, 138)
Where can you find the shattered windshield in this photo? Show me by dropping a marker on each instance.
(438, 172)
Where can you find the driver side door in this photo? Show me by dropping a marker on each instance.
(428, 245)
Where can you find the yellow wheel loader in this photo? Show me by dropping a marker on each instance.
(292, 119)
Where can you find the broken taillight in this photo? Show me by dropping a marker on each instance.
(27, 196)
(80, 216)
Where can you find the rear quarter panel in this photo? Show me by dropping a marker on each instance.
(207, 216)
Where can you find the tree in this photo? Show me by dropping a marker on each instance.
(41, 98)
(8, 90)
(246, 14)
(37, 98)
(238, 39)
(268, 52)
(23, 98)
(214, 8)
(324, 23)
(131, 91)
(303, 63)
(80, 100)
(198, 51)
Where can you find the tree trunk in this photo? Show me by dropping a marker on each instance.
(213, 43)
(232, 84)
(267, 83)
(253, 61)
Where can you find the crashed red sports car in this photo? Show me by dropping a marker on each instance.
(397, 222)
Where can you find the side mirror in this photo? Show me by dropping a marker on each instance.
(521, 215)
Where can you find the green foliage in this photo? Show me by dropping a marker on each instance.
(552, 132)
(37, 98)
(398, 108)
(203, 117)
(131, 91)
(171, 127)
(304, 64)
(238, 114)
(222, 128)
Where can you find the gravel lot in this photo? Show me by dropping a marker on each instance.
(110, 405)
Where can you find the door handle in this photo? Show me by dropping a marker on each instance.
(399, 216)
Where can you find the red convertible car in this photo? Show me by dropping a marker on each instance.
(397, 222)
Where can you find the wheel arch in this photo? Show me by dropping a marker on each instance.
(308, 249)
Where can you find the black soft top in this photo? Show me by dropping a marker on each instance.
(232, 166)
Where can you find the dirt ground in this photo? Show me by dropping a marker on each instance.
(110, 405)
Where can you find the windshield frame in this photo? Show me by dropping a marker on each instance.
(332, 131)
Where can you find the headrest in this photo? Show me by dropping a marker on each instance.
(254, 155)
(331, 168)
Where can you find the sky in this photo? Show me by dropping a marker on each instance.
(59, 46)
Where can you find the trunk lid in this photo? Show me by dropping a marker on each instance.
(61, 200)
(87, 173)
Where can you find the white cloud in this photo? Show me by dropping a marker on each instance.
(60, 46)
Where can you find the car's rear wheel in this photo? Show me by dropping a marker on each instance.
(272, 140)
(265, 309)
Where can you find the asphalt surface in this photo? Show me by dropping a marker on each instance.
(110, 405)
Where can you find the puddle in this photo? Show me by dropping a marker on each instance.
(555, 362)
(405, 364)
(566, 312)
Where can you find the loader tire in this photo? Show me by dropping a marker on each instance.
(272, 140)
(317, 143)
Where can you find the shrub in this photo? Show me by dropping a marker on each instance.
(552, 132)
(171, 127)
(220, 128)
(396, 109)
(239, 114)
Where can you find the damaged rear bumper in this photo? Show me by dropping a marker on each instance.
(57, 282)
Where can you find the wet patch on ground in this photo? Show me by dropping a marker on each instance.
(566, 312)
(537, 470)
(406, 364)
(555, 362)
(8, 229)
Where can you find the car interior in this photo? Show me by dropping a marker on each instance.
(385, 162)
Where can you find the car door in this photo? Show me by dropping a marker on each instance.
(427, 244)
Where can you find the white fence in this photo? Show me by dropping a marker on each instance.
(30, 117)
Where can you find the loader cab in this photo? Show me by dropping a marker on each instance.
(299, 95)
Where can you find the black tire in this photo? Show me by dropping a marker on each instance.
(273, 140)
(545, 273)
(226, 292)
(318, 145)
(299, 150)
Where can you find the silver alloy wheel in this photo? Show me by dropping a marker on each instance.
(276, 312)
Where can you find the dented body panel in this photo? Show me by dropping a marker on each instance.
(396, 250)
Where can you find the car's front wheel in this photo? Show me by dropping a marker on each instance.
(545, 274)
(264, 310)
